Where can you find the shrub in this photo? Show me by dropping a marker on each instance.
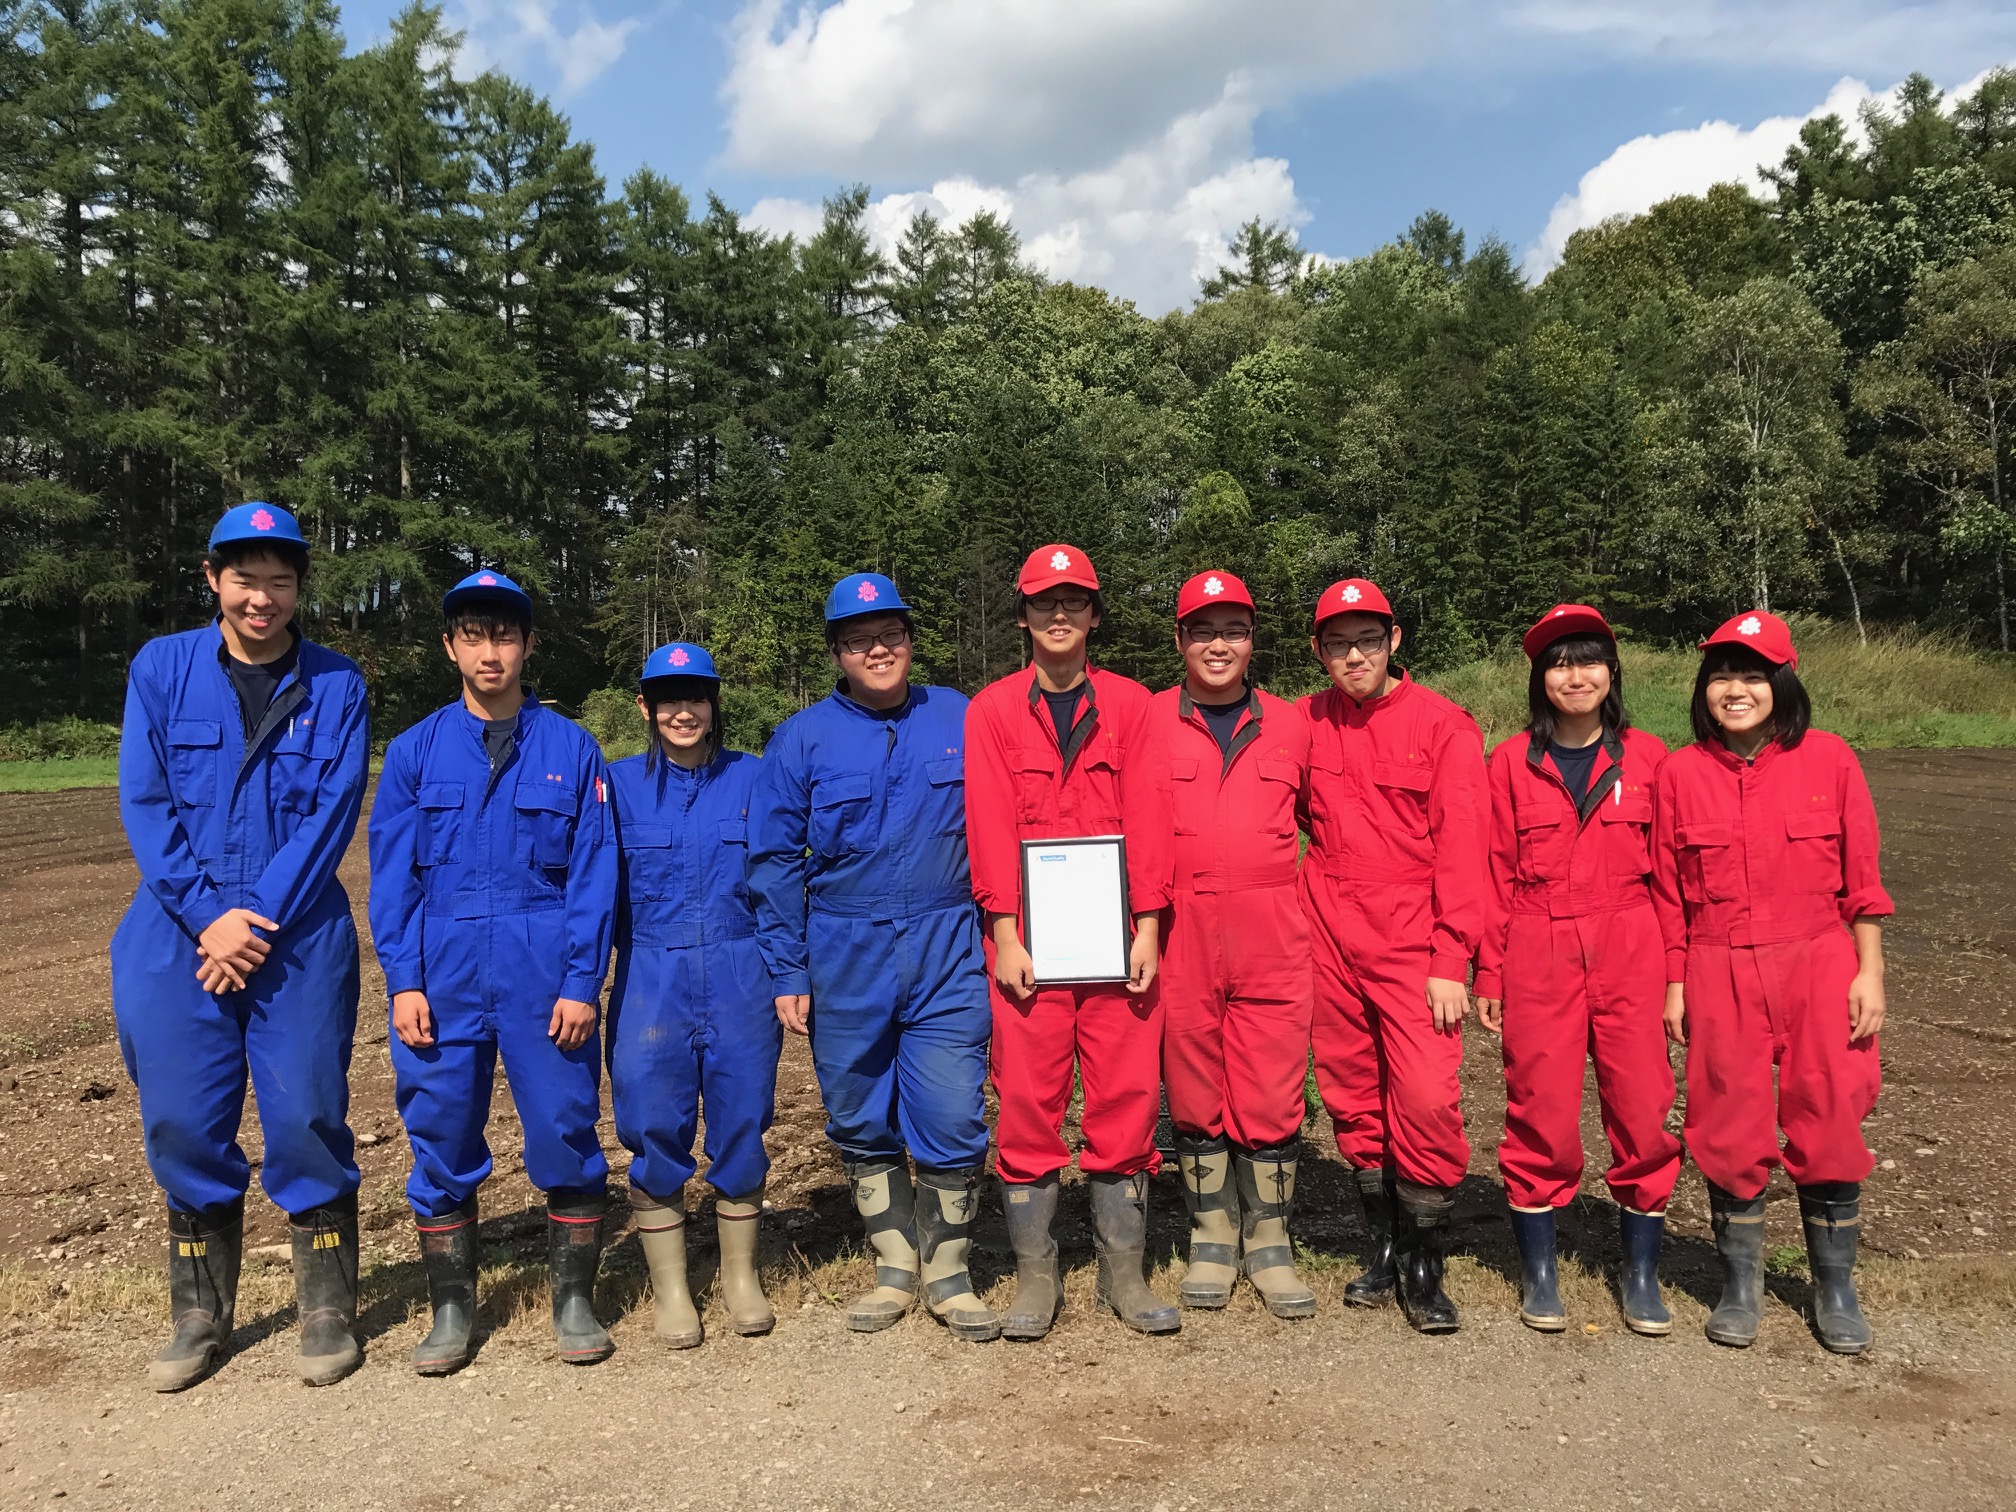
(65, 739)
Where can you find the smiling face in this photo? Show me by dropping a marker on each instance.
(681, 724)
(490, 657)
(877, 671)
(1357, 651)
(1060, 621)
(1578, 689)
(1740, 701)
(1217, 645)
(256, 595)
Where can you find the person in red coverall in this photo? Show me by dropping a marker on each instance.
(1764, 871)
(1394, 886)
(1064, 749)
(1236, 983)
(1571, 968)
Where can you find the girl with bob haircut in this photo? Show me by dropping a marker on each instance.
(1764, 858)
(1570, 966)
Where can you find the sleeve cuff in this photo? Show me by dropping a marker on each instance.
(201, 915)
(1869, 905)
(1489, 984)
(992, 902)
(1676, 965)
(581, 989)
(1449, 968)
(790, 984)
(403, 981)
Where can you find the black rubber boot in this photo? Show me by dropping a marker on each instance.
(1375, 1284)
(1539, 1277)
(325, 1290)
(448, 1254)
(1032, 1215)
(1120, 1233)
(1266, 1180)
(1638, 1277)
(573, 1255)
(946, 1203)
(1832, 1214)
(204, 1250)
(1212, 1196)
(1422, 1243)
(1739, 1240)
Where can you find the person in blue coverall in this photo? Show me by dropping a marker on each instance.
(691, 1013)
(242, 766)
(493, 899)
(865, 917)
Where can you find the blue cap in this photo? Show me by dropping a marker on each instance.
(256, 521)
(863, 593)
(487, 585)
(679, 659)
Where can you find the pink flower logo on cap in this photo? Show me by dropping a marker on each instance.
(262, 519)
(679, 658)
(866, 593)
(1351, 595)
(1214, 586)
(488, 580)
(1751, 626)
(1059, 560)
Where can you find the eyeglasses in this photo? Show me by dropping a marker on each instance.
(1368, 645)
(861, 645)
(1203, 635)
(1070, 603)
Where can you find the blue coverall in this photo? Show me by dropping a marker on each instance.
(495, 898)
(217, 824)
(692, 1014)
(878, 922)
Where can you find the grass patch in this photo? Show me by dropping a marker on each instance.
(1902, 689)
(59, 774)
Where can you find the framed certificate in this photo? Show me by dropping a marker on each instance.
(1074, 909)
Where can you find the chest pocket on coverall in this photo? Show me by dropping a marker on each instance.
(1404, 787)
(192, 764)
(1280, 782)
(440, 822)
(1543, 842)
(1099, 805)
(1035, 775)
(841, 821)
(1624, 841)
(1183, 769)
(650, 864)
(1708, 862)
(947, 777)
(301, 758)
(546, 813)
(1814, 850)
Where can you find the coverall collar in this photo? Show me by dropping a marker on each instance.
(854, 705)
(287, 698)
(1600, 782)
(1768, 753)
(1082, 728)
(1247, 731)
(1365, 706)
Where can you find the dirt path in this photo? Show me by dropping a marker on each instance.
(1239, 1410)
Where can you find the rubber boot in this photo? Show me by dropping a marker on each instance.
(573, 1255)
(204, 1250)
(325, 1290)
(886, 1202)
(1032, 1214)
(1832, 1214)
(1266, 1180)
(448, 1254)
(1739, 1239)
(1638, 1277)
(661, 1232)
(1376, 1282)
(738, 1224)
(1422, 1244)
(1539, 1277)
(1120, 1233)
(946, 1204)
(1212, 1197)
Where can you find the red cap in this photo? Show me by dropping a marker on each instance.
(1763, 632)
(1564, 619)
(1050, 565)
(1208, 589)
(1352, 596)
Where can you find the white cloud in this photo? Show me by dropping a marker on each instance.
(1146, 225)
(510, 34)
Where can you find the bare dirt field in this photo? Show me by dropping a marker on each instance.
(1349, 1409)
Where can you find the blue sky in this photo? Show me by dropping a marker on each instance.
(1128, 138)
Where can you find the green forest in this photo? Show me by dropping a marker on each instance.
(239, 261)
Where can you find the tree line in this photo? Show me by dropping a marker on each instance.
(238, 260)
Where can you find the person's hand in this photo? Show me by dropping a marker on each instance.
(794, 1012)
(1865, 1004)
(1015, 971)
(217, 976)
(572, 1023)
(231, 943)
(1144, 955)
(1448, 1002)
(412, 1019)
(1676, 1013)
(1491, 1014)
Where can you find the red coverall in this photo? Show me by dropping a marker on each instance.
(1573, 948)
(1757, 869)
(1394, 886)
(1236, 980)
(1021, 786)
